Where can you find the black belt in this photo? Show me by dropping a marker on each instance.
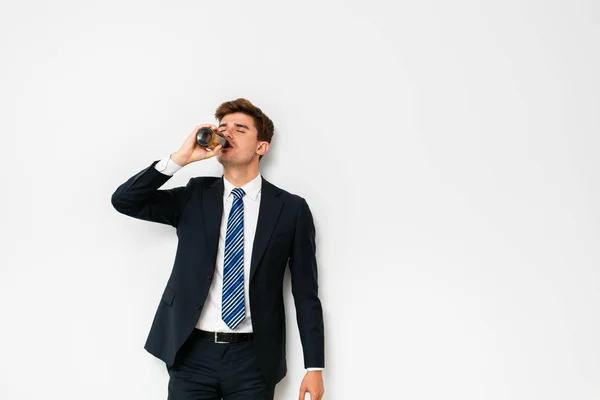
(222, 337)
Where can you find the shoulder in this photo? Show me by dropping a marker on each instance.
(284, 195)
(203, 182)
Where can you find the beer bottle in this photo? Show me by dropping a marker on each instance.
(209, 138)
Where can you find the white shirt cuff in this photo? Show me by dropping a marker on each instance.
(314, 369)
(167, 166)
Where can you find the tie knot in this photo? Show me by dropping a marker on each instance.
(238, 193)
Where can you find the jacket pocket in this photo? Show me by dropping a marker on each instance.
(168, 296)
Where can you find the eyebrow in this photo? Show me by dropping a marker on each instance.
(238, 125)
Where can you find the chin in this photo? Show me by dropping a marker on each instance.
(225, 159)
(222, 160)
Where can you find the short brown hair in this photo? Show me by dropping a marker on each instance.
(263, 124)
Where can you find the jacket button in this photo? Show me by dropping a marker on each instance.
(198, 306)
(209, 277)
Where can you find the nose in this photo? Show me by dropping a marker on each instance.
(227, 133)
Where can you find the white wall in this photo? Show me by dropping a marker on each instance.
(448, 150)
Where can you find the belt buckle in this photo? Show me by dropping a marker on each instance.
(217, 340)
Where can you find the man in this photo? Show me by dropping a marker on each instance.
(220, 324)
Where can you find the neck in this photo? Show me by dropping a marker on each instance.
(240, 176)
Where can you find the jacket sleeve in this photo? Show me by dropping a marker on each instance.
(140, 198)
(304, 280)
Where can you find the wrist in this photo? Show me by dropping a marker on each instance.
(178, 159)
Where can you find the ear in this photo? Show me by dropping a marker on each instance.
(262, 148)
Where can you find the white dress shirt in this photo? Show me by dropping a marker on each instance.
(210, 317)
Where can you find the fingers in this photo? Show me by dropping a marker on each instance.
(213, 152)
(213, 127)
(316, 396)
(302, 394)
(313, 395)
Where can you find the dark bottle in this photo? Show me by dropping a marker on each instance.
(209, 138)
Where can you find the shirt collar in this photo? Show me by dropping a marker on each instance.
(251, 188)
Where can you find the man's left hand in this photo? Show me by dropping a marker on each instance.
(313, 384)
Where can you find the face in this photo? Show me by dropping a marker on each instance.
(240, 132)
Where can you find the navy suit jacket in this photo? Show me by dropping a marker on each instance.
(285, 236)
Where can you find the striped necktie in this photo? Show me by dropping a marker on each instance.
(232, 305)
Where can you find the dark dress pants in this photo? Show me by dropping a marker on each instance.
(204, 370)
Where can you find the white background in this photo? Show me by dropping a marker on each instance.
(448, 151)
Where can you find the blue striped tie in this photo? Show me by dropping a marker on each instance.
(232, 306)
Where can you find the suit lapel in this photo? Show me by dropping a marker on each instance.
(212, 210)
(268, 213)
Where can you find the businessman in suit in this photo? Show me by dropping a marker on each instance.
(220, 324)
